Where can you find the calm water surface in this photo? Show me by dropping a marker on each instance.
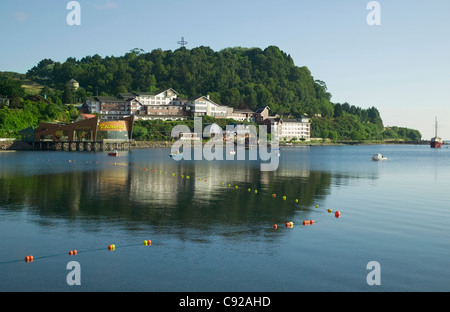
(209, 236)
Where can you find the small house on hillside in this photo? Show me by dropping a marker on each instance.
(4, 101)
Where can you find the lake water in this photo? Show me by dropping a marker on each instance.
(212, 237)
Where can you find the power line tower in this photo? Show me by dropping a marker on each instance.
(182, 42)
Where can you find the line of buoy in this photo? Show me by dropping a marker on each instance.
(290, 224)
(111, 247)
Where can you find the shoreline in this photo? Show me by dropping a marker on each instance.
(8, 146)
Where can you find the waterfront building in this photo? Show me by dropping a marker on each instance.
(166, 105)
(113, 108)
(204, 106)
(87, 128)
(290, 128)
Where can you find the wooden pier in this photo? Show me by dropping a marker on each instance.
(83, 146)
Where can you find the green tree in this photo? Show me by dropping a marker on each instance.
(12, 89)
(67, 97)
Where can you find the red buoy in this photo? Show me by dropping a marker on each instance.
(275, 226)
(337, 214)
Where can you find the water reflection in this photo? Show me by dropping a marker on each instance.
(146, 188)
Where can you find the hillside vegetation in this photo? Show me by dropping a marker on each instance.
(246, 78)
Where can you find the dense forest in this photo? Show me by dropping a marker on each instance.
(246, 78)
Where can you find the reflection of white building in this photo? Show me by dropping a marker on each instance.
(155, 183)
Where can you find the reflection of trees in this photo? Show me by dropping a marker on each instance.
(135, 195)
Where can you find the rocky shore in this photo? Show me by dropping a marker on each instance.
(23, 146)
(151, 144)
(15, 146)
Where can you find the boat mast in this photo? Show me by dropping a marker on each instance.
(436, 127)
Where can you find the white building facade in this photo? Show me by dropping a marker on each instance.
(296, 129)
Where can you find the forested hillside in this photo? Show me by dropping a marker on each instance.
(238, 77)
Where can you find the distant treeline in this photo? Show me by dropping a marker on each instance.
(247, 78)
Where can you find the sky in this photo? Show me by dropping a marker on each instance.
(400, 66)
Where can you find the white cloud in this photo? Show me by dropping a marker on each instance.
(21, 16)
(108, 5)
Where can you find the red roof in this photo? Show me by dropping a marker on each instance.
(88, 116)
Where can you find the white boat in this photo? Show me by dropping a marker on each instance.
(176, 155)
(378, 157)
(232, 152)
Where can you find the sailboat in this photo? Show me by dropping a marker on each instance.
(436, 142)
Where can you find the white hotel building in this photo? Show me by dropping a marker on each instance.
(288, 128)
(165, 105)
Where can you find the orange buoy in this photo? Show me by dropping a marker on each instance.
(307, 222)
(274, 195)
(71, 253)
(337, 214)
(275, 226)
(75, 252)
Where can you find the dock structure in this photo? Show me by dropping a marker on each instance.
(87, 133)
(82, 146)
